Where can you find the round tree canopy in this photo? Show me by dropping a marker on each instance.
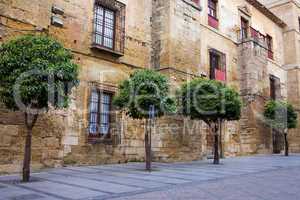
(280, 115)
(145, 88)
(36, 71)
(209, 100)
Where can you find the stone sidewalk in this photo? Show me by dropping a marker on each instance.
(258, 177)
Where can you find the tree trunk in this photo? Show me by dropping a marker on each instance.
(221, 142)
(29, 122)
(286, 143)
(27, 156)
(216, 146)
(147, 147)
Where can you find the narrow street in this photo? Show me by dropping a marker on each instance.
(247, 178)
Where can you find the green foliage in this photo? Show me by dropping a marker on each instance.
(143, 89)
(29, 62)
(280, 115)
(209, 100)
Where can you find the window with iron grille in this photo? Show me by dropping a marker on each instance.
(104, 26)
(100, 108)
(212, 8)
(244, 28)
(109, 26)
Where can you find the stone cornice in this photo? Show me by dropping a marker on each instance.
(263, 9)
(281, 3)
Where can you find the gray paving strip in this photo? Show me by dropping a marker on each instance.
(227, 171)
(159, 179)
(11, 191)
(96, 185)
(169, 174)
(191, 172)
(32, 196)
(121, 180)
(193, 168)
(210, 167)
(79, 185)
(42, 192)
(136, 176)
(118, 182)
(148, 174)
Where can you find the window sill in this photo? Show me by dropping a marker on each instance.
(101, 48)
(100, 140)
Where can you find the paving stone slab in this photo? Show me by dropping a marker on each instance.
(62, 191)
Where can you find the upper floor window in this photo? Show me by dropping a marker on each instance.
(196, 1)
(104, 26)
(212, 14)
(244, 28)
(269, 41)
(109, 26)
(212, 8)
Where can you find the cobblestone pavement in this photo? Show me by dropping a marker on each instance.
(246, 178)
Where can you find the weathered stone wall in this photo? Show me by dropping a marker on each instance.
(61, 137)
(289, 11)
(46, 142)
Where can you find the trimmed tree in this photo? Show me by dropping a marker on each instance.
(36, 73)
(281, 116)
(143, 90)
(212, 102)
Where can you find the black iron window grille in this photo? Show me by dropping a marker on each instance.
(100, 108)
(109, 25)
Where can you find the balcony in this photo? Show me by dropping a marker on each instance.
(220, 75)
(213, 22)
(255, 36)
(255, 42)
(270, 54)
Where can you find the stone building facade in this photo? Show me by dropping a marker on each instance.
(241, 43)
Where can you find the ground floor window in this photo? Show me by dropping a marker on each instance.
(217, 65)
(100, 108)
(275, 91)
